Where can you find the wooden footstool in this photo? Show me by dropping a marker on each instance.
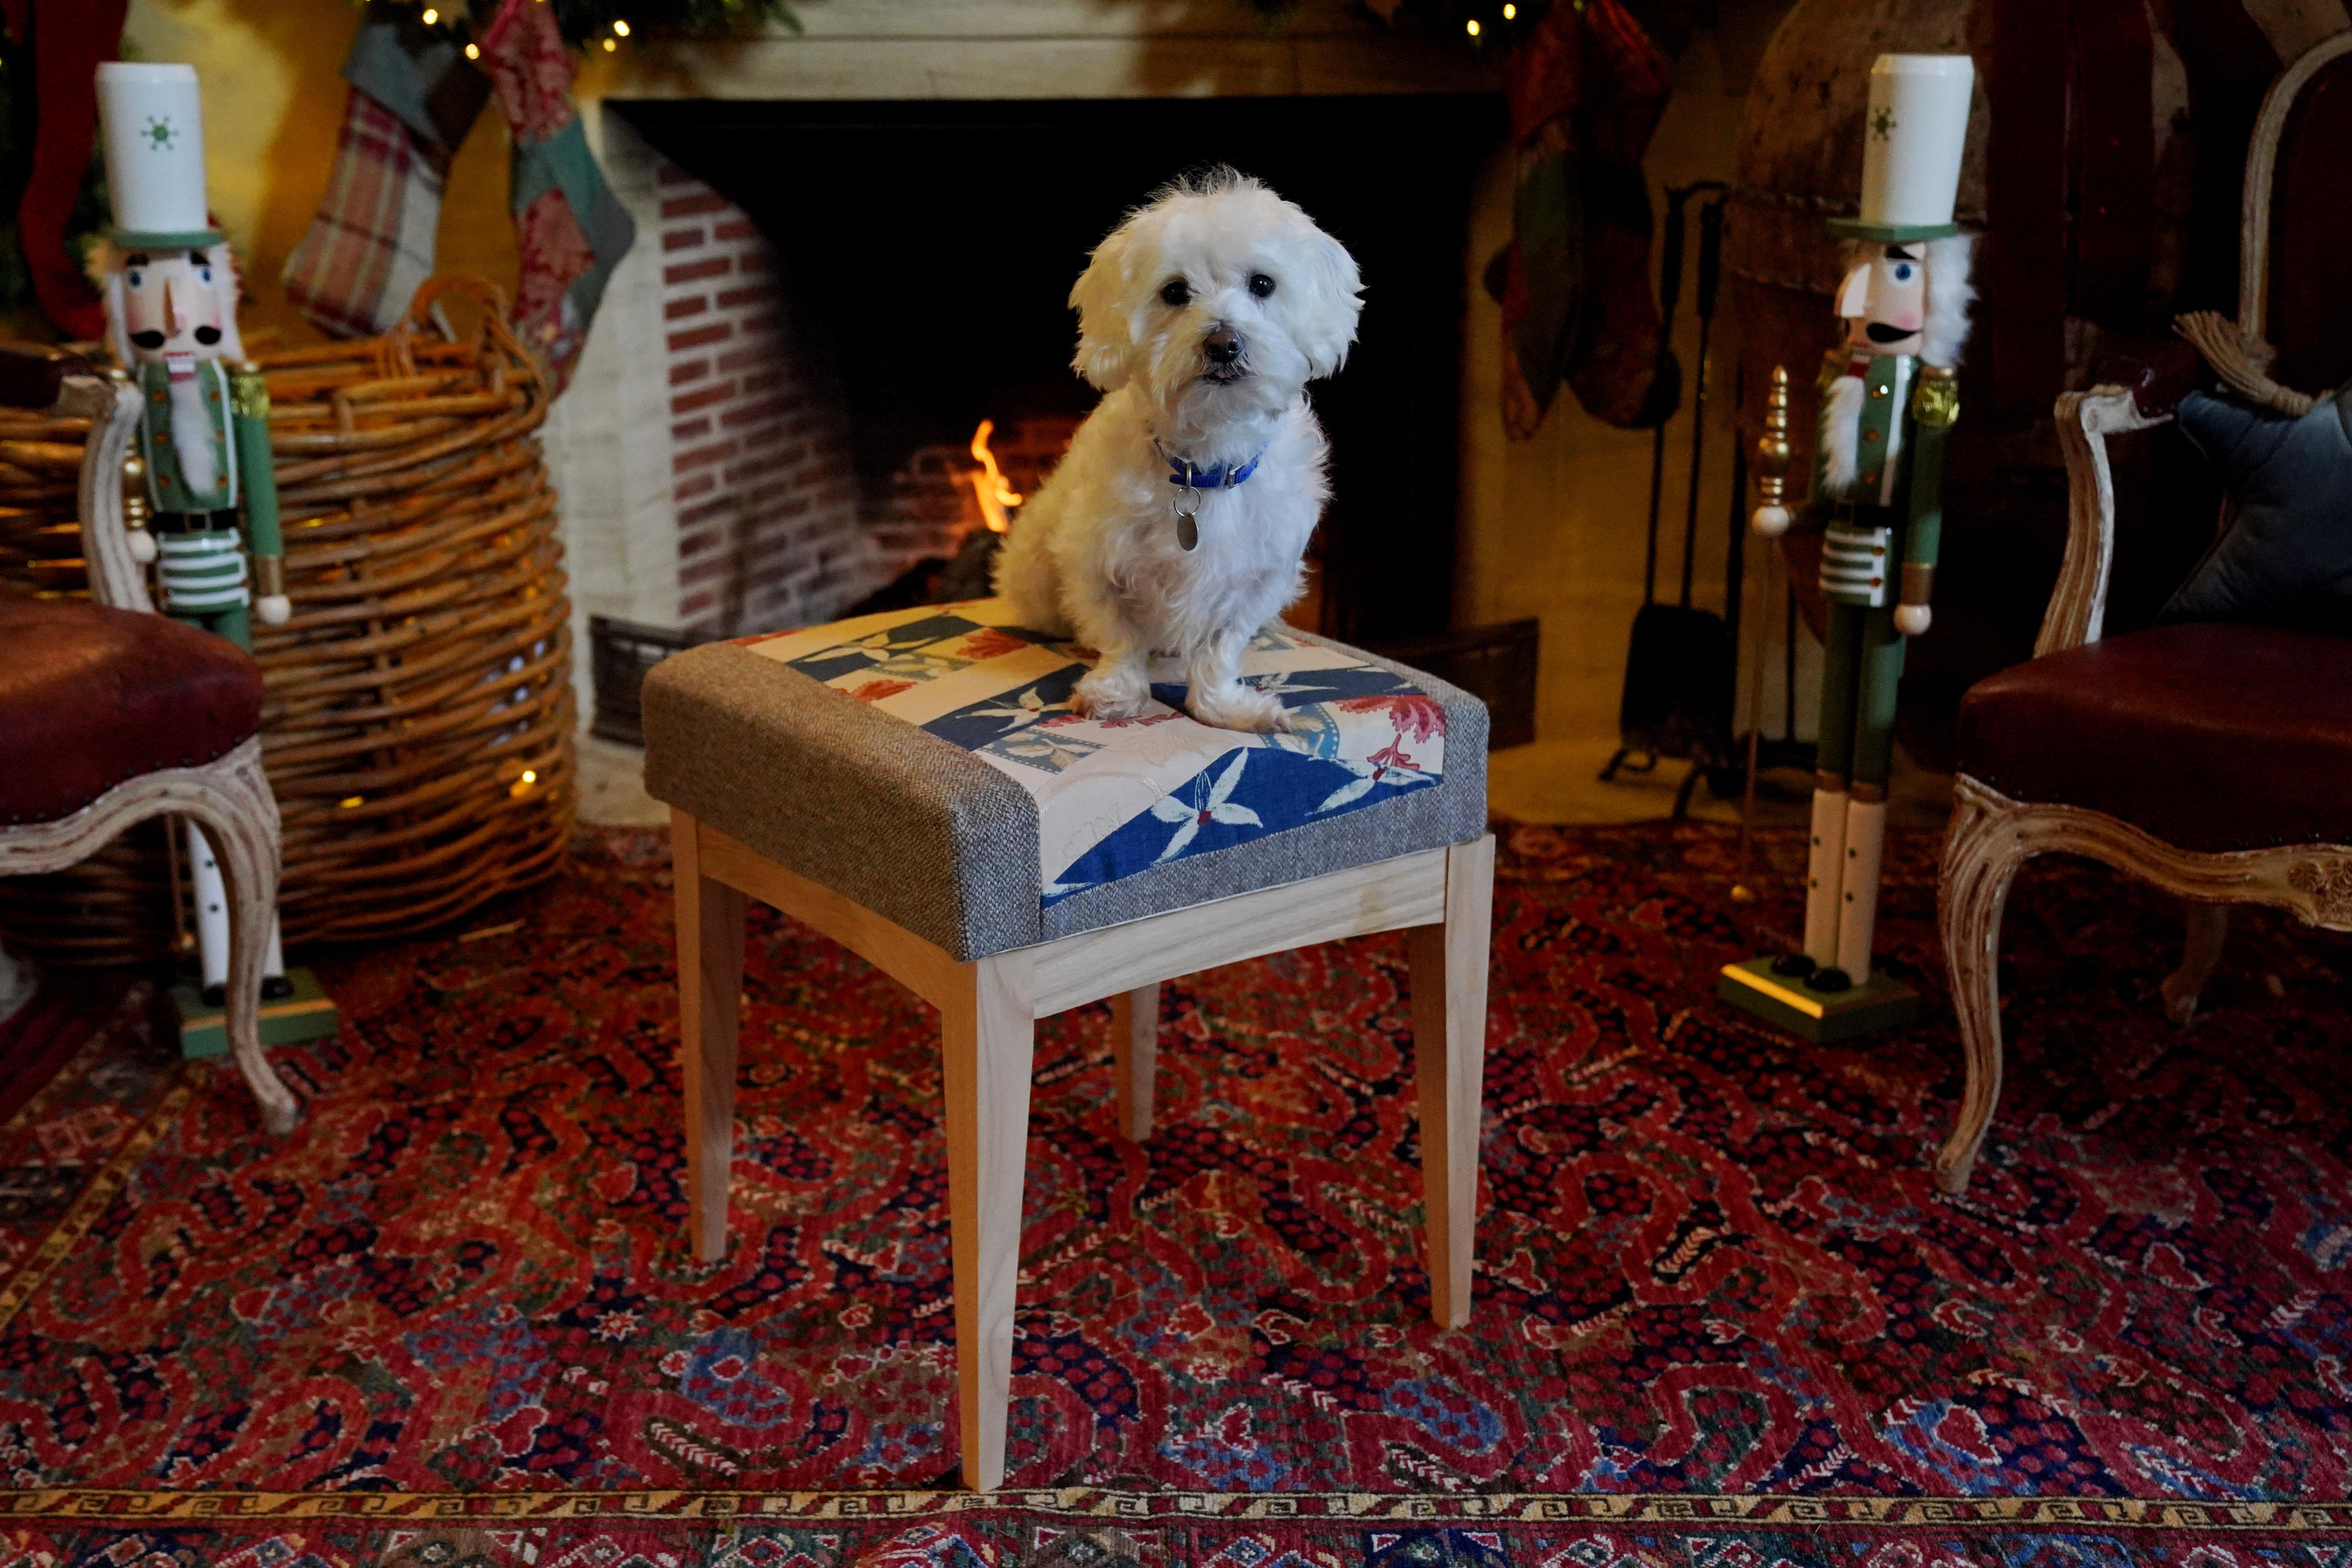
(913, 786)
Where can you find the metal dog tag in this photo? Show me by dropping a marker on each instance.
(1188, 531)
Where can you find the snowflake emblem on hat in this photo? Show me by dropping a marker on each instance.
(1882, 124)
(161, 133)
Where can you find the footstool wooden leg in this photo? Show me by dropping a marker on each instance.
(710, 1009)
(1135, 1057)
(988, 1035)
(1449, 1034)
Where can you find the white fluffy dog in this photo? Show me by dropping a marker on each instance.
(1178, 521)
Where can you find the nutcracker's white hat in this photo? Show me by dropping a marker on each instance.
(151, 119)
(1912, 136)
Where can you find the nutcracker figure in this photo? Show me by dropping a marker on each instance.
(171, 291)
(1888, 401)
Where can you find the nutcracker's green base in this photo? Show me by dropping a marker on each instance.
(1876, 1003)
(308, 1014)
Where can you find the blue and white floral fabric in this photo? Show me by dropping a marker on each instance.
(1121, 795)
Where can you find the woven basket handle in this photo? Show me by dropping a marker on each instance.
(497, 331)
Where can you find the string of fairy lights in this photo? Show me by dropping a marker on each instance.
(1489, 26)
(1483, 25)
(605, 24)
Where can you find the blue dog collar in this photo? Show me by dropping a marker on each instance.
(1183, 472)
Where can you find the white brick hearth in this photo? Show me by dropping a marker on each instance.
(701, 450)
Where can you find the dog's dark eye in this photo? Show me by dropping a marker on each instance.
(1176, 291)
(1261, 285)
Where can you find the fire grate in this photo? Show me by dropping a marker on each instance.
(620, 653)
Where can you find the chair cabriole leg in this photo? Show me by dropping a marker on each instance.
(1981, 854)
(2208, 929)
(988, 1035)
(239, 815)
(1134, 1054)
(710, 1008)
(1449, 1030)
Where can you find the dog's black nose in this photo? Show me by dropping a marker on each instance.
(1224, 345)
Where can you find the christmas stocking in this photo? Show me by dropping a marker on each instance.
(68, 39)
(1586, 89)
(414, 97)
(572, 229)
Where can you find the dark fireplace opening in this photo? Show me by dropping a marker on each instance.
(926, 252)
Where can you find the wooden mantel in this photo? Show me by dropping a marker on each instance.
(868, 49)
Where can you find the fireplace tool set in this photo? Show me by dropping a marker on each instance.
(1681, 667)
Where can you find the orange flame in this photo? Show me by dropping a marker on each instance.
(987, 481)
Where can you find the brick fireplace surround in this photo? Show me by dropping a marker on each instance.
(759, 479)
(702, 450)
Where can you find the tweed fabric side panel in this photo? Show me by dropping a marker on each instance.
(916, 829)
(1452, 812)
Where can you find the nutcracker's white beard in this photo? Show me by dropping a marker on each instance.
(1945, 333)
(191, 435)
(1841, 431)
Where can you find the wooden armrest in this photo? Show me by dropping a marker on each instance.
(53, 380)
(112, 408)
(2078, 604)
(32, 375)
(85, 396)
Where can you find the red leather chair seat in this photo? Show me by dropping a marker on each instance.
(90, 696)
(2210, 737)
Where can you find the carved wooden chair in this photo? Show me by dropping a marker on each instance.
(111, 713)
(2214, 760)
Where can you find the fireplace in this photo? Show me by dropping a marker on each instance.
(776, 417)
(927, 252)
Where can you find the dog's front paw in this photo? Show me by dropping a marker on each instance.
(1240, 708)
(1120, 693)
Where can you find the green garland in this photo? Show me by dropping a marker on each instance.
(586, 22)
(1479, 23)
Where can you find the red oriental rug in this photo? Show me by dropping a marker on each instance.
(1722, 1315)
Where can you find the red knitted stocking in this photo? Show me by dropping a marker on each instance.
(69, 39)
(1586, 89)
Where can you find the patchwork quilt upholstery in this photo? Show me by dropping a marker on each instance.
(925, 762)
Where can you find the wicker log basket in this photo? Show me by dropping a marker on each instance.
(418, 726)
(113, 907)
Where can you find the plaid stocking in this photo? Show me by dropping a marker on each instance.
(370, 242)
(1586, 89)
(572, 229)
(413, 99)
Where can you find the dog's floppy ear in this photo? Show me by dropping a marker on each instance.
(1106, 335)
(1332, 286)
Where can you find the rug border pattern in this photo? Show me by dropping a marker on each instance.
(1755, 1511)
